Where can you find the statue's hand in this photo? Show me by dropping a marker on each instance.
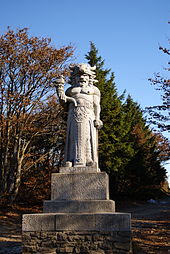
(59, 84)
(98, 124)
(62, 96)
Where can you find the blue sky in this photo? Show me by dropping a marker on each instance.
(127, 34)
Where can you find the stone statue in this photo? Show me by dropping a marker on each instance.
(83, 99)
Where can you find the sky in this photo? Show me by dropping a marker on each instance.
(127, 34)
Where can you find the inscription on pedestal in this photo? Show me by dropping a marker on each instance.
(78, 170)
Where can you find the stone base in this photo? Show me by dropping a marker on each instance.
(80, 186)
(78, 206)
(79, 218)
(72, 242)
(76, 221)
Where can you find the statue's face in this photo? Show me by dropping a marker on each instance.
(82, 79)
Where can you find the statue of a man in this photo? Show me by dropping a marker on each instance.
(83, 99)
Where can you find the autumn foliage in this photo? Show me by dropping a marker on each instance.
(29, 67)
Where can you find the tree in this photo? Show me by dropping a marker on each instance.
(28, 68)
(114, 147)
(128, 151)
(159, 114)
(45, 155)
(109, 135)
(145, 165)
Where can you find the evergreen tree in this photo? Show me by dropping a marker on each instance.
(114, 148)
(128, 151)
(110, 113)
(144, 166)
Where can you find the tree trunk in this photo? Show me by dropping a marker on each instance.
(17, 183)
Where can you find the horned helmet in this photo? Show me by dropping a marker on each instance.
(82, 68)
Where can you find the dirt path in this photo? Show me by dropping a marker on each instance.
(10, 233)
(10, 229)
(150, 226)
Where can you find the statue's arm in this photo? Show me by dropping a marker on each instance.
(96, 97)
(64, 97)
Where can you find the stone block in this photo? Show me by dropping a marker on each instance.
(77, 222)
(113, 222)
(38, 222)
(78, 206)
(80, 186)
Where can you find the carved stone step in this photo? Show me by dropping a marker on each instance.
(78, 206)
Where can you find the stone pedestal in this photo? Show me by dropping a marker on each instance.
(80, 186)
(79, 209)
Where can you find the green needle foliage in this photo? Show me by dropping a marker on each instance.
(144, 165)
(128, 150)
(109, 137)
